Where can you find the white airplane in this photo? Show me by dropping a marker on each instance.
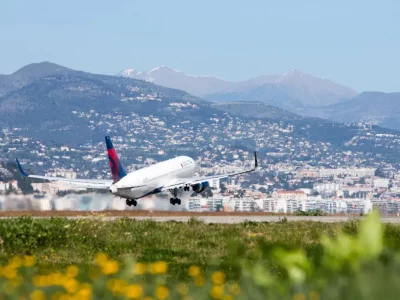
(172, 175)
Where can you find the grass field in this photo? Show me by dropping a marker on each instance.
(58, 241)
(301, 260)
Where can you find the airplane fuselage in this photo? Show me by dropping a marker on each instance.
(151, 179)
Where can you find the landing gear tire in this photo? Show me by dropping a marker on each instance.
(130, 202)
(174, 201)
(186, 189)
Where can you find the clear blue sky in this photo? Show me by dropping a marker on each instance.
(355, 43)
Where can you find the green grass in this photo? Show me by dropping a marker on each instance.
(58, 242)
(339, 260)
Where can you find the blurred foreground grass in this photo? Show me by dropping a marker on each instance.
(90, 258)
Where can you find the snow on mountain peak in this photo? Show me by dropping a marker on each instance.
(129, 73)
(290, 73)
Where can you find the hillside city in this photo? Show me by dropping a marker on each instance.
(295, 174)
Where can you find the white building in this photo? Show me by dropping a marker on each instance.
(62, 173)
(246, 204)
(356, 172)
(381, 183)
(194, 204)
(297, 195)
(328, 187)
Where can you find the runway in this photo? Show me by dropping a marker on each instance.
(241, 219)
(181, 216)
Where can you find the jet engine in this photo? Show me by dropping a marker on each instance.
(200, 187)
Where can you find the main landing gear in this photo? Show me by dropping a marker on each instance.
(130, 202)
(175, 200)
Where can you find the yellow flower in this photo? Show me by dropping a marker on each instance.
(199, 281)
(85, 291)
(38, 295)
(56, 278)
(217, 291)
(36, 280)
(117, 286)
(72, 271)
(194, 271)
(299, 296)
(160, 267)
(227, 297)
(133, 291)
(162, 292)
(110, 267)
(101, 258)
(140, 268)
(218, 277)
(182, 288)
(9, 272)
(29, 261)
(15, 262)
(71, 285)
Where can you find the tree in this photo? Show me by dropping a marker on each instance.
(9, 189)
(262, 190)
(222, 187)
(207, 193)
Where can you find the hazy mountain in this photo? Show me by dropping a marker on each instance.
(48, 101)
(255, 110)
(28, 74)
(374, 107)
(267, 93)
(164, 76)
(56, 104)
(290, 90)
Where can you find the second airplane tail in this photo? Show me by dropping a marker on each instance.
(117, 170)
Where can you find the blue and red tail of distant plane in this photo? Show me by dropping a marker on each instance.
(117, 170)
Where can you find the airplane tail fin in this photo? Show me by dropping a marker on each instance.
(117, 170)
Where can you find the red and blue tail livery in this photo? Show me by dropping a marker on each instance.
(117, 170)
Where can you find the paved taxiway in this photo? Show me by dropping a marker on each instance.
(230, 219)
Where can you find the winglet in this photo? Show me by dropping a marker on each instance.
(255, 160)
(20, 168)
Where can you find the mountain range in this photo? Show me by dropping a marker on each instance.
(49, 105)
(294, 90)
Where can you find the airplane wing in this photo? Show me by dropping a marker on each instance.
(84, 183)
(177, 183)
